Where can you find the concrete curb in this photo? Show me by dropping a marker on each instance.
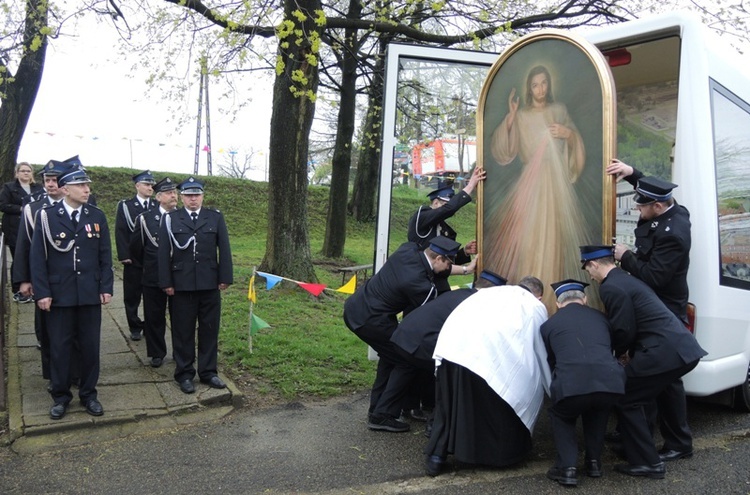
(135, 396)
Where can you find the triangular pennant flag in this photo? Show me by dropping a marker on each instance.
(314, 289)
(271, 280)
(251, 290)
(257, 324)
(350, 286)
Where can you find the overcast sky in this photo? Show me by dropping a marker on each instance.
(88, 106)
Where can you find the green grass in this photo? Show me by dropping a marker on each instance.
(307, 352)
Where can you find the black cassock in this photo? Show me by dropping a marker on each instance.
(473, 423)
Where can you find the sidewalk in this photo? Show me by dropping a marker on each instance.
(134, 395)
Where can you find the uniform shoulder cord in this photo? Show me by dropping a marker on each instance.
(48, 235)
(174, 242)
(416, 226)
(128, 217)
(147, 233)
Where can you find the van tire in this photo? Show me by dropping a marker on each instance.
(742, 394)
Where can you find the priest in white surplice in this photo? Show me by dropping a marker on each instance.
(491, 377)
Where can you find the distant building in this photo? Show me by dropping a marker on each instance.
(626, 215)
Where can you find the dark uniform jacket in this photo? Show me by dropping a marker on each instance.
(405, 282)
(21, 268)
(656, 339)
(427, 223)
(12, 199)
(579, 353)
(418, 332)
(78, 276)
(194, 256)
(662, 254)
(127, 211)
(144, 245)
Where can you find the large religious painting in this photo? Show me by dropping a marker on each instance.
(546, 131)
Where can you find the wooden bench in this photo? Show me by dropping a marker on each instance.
(354, 270)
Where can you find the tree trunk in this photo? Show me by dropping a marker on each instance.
(288, 243)
(362, 205)
(17, 93)
(335, 238)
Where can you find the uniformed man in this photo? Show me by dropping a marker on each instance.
(661, 259)
(72, 277)
(21, 268)
(406, 281)
(132, 272)
(429, 221)
(415, 338)
(144, 252)
(195, 265)
(587, 380)
(654, 346)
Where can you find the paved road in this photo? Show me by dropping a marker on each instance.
(326, 448)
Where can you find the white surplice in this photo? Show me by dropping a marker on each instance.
(495, 334)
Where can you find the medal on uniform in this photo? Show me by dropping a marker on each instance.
(88, 230)
(96, 227)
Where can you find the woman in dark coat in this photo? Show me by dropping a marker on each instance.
(13, 196)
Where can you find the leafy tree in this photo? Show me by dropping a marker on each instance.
(23, 47)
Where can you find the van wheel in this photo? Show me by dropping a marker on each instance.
(742, 394)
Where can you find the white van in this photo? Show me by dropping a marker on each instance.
(681, 93)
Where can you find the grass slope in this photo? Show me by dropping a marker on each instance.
(308, 352)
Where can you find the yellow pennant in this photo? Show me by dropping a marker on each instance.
(350, 286)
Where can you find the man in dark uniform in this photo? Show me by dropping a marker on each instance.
(72, 277)
(429, 221)
(144, 247)
(661, 259)
(654, 346)
(21, 268)
(195, 265)
(414, 342)
(405, 282)
(132, 271)
(587, 381)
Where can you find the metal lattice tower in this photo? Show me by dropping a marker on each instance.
(203, 93)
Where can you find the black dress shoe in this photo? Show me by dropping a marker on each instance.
(214, 382)
(93, 407)
(58, 410)
(135, 335)
(434, 464)
(674, 455)
(187, 386)
(593, 468)
(414, 414)
(654, 471)
(565, 476)
(156, 362)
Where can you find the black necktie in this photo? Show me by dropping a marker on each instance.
(74, 218)
(194, 216)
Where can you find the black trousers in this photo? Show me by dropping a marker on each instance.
(640, 391)
(407, 370)
(593, 409)
(186, 309)
(132, 289)
(68, 326)
(673, 424)
(155, 302)
(379, 338)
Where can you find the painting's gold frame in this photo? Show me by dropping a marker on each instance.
(609, 124)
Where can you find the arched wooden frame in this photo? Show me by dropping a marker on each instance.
(581, 79)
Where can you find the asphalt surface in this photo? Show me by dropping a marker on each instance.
(217, 446)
